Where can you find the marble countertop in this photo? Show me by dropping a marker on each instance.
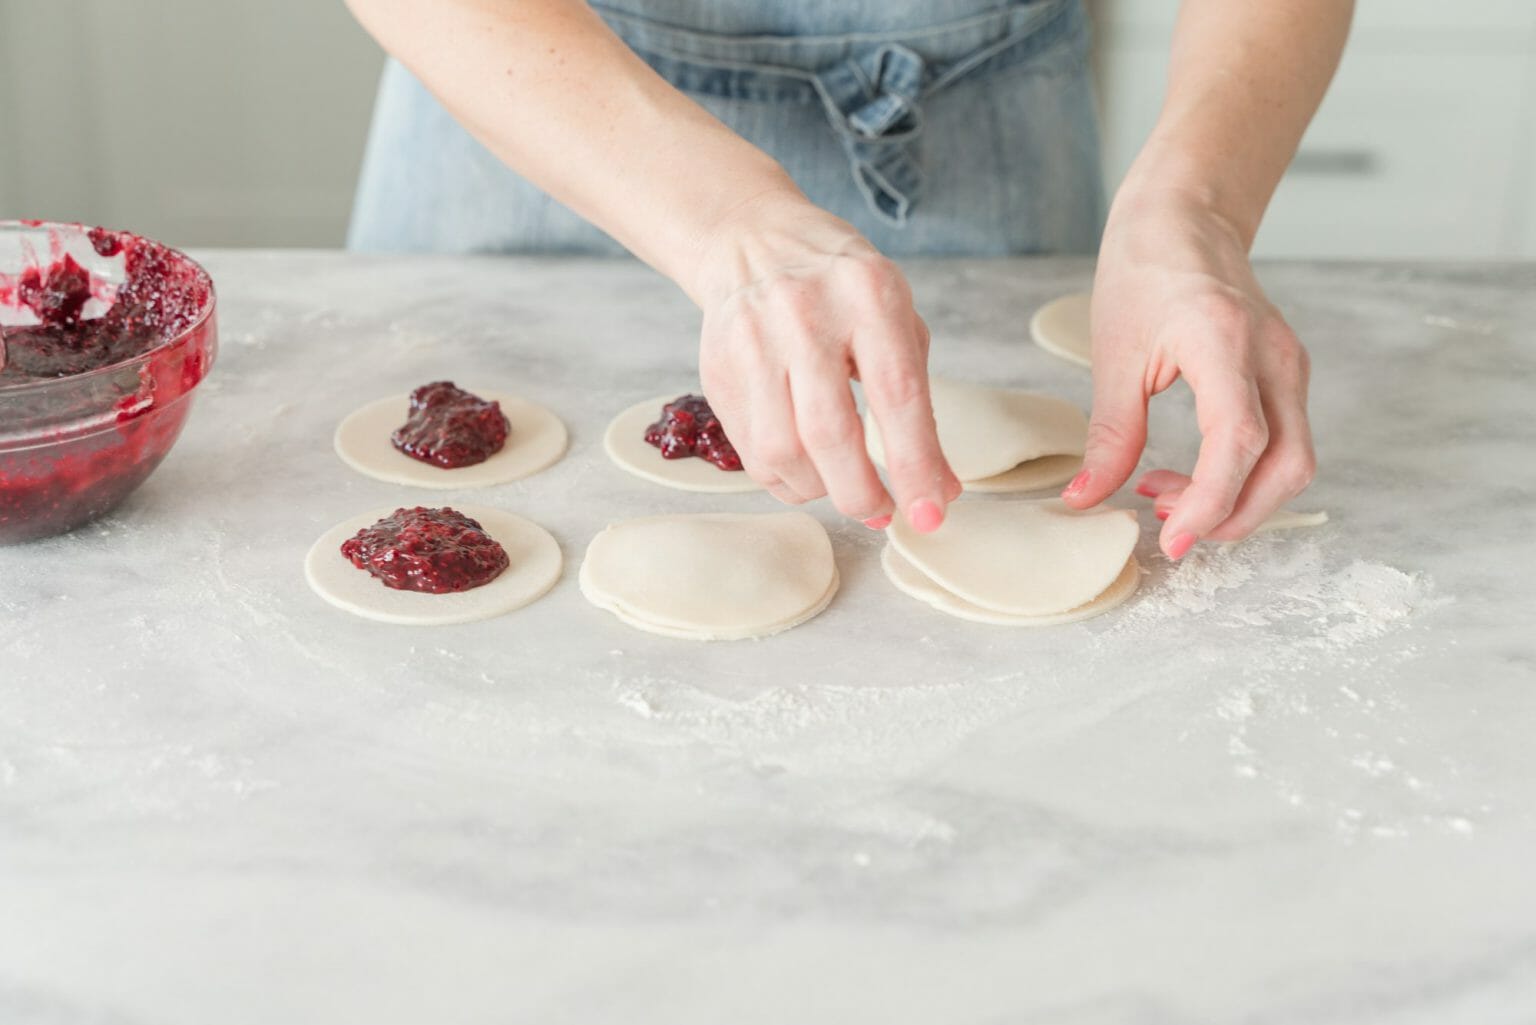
(1291, 781)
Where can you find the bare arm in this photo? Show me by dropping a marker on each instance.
(1175, 294)
(794, 300)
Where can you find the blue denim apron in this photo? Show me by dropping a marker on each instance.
(959, 128)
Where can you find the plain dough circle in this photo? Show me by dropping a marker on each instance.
(1290, 519)
(712, 576)
(624, 441)
(1060, 327)
(987, 433)
(908, 579)
(1035, 475)
(535, 566)
(1022, 558)
(536, 442)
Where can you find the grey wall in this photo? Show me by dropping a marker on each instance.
(199, 122)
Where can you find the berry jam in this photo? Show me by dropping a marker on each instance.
(449, 427)
(437, 551)
(157, 300)
(97, 370)
(688, 427)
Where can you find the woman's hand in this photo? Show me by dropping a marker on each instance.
(1175, 296)
(796, 304)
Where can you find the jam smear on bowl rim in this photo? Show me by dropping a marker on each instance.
(106, 334)
(449, 427)
(434, 551)
(688, 427)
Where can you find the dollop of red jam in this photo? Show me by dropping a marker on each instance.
(437, 551)
(688, 427)
(449, 427)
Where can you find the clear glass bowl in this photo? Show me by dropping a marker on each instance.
(73, 447)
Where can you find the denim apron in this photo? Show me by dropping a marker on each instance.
(937, 128)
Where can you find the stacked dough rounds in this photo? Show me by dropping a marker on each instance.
(712, 576)
(1018, 563)
(1001, 439)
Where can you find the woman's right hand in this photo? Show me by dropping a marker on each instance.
(796, 304)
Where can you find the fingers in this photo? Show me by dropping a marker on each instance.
(775, 455)
(1117, 432)
(752, 405)
(1288, 464)
(1156, 483)
(832, 435)
(892, 360)
(1234, 435)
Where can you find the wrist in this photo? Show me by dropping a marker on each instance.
(1169, 180)
(769, 231)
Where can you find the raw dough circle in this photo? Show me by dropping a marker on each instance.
(536, 442)
(1060, 327)
(535, 566)
(712, 576)
(1034, 475)
(1000, 439)
(910, 580)
(1028, 558)
(625, 444)
(1290, 519)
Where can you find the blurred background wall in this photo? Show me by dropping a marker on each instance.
(212, 122)
(199, 122)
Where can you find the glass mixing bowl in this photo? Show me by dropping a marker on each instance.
(73, 446)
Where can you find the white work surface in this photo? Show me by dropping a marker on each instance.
(1289, 782)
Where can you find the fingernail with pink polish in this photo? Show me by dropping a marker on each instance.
(1180, 546)
(878, 522)
(1145, 492)
(1163, 514)
(925, 516)
(1078, 484)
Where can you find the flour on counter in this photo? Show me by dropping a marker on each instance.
(1289, 588)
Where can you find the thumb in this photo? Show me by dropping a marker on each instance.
(1117, 432)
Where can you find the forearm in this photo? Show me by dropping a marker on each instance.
(1244, 81)
(548, 88)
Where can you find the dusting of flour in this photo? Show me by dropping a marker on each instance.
(1289, 589)
(1280, 652)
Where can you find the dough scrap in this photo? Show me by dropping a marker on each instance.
(1026, 558)
(536, 564)
(986, 433)
(712, 576)
(537, 441)
(910, 580)
(1060, 327)
(624, 441)
(1290, 519)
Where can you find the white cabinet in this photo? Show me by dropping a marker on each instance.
(1424, 148)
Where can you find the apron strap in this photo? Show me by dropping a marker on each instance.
(871, 100)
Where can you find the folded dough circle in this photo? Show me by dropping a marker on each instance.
(625, 444)
(534, 567)
(910, 580)
(1031, 558)
(1060, 327)
(536, 442)
(712, 576)
(989, 433)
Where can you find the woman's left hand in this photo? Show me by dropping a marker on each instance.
(1175, 296)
